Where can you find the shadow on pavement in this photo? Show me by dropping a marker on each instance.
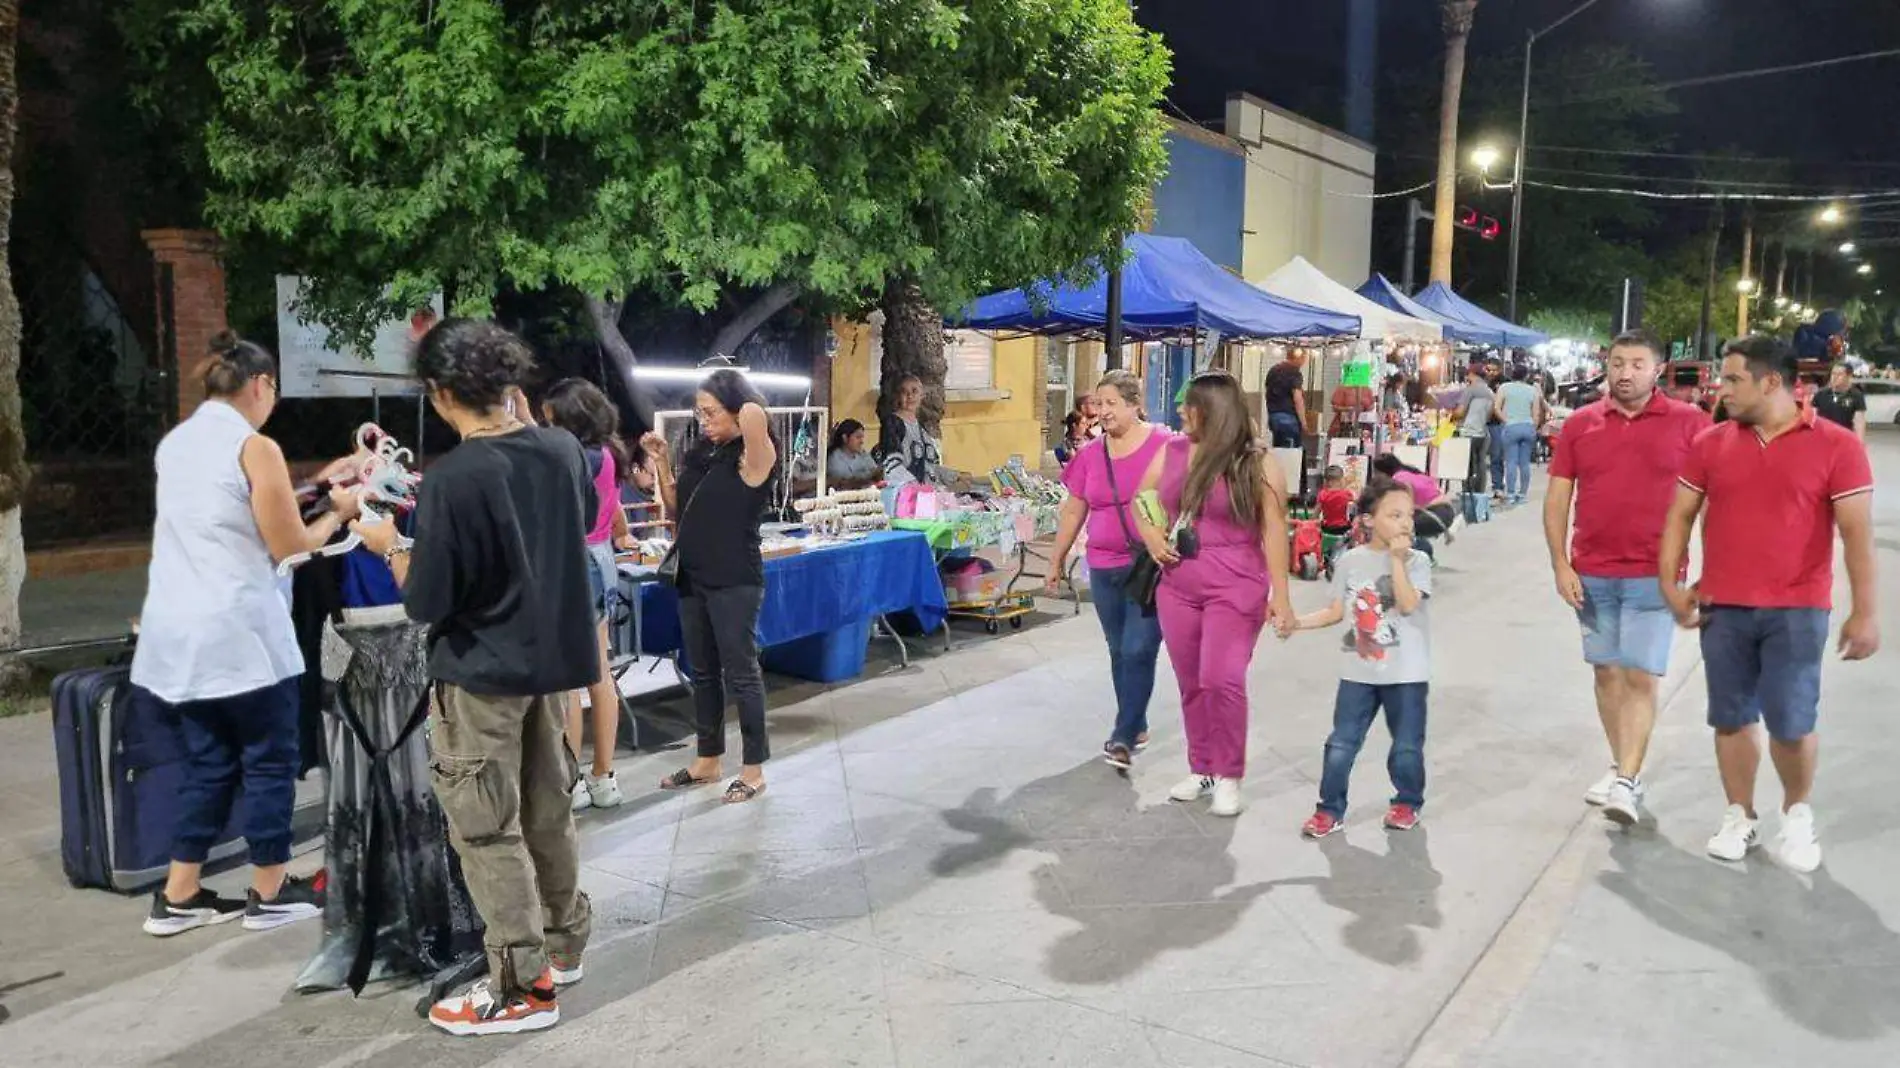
(1391, 895)
(1821, 953)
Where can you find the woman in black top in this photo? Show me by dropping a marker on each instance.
(717, 500)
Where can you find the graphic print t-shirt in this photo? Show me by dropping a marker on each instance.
(1383, 645)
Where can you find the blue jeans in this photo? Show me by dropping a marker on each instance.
(1354, 710)
(1134, 641)
(239, 746)
(1518, 440)
(1286, 430)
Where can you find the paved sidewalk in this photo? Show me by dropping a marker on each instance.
(943, 873)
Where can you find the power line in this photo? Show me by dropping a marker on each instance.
(1732, 76)
(1786, 198)
(1699, 157)
(1247, 157)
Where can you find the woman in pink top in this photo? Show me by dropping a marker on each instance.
(1102, 479)
(1225, 556)
(580, 408)
(1432, 516)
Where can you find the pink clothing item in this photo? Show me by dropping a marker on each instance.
(1212, 609)
(606, 489)
(1087, 479)
(1424, 487)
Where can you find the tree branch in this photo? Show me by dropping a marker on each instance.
(605, 315)
(755, 315)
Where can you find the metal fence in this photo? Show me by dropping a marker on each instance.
(94, 403)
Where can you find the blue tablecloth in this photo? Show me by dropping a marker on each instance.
(837, 589)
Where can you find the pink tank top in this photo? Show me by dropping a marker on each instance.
(1215, 523)
(607, 490)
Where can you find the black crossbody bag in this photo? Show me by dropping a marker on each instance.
(1144, 575)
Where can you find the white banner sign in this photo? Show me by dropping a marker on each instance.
(311, 367)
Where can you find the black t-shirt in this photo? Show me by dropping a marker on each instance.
(719, 519)
(499, 568)
(1283, 381)
(1840, 407)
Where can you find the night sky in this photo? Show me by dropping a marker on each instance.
(1839, 127)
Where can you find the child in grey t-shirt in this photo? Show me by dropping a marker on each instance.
(1381, 591)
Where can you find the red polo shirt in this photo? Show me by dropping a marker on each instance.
(1768, 531)
(1625, 468)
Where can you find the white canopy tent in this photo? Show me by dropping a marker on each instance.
(1301, 281)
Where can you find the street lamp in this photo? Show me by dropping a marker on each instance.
(1865, 268)
(1848, 248)
(1781, 302)
(1485, 157)
(1523, 140)
(1745, 287)
(1831, 215)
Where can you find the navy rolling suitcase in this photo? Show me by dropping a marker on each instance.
(121, 765)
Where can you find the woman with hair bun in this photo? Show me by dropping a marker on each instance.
(216, 643)
(499, 571)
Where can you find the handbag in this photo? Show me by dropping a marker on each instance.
(1144, 575)
(668, 569)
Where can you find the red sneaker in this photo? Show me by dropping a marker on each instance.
(1320, 824)
(479, 1012)
(1401, 817)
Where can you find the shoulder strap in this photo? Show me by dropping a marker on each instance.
(1115, 493)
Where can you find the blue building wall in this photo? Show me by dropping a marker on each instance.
(1203, 198)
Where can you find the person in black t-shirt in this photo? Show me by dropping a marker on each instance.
(1842, 403)
(499, 572)
(719, 496)
(1286, 401)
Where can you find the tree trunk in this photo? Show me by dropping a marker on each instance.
(1748, 255)
(913, 345)
(1456, 16)
(1704, 350)
(605, 315)
(747, 322)
(13, 470)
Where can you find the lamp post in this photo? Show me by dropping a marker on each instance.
(1523, 139)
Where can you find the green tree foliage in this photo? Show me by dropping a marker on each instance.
(678, 150)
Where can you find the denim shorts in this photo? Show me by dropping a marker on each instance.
(1764, 664)
(1627, 624)
(603, 576)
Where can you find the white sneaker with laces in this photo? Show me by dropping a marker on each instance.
(1736, 837)
(1620, 806)
(1226, 798)
(1797, 845)
(1599, 793)
(1192, 788)
(604, 791)
(583, 800)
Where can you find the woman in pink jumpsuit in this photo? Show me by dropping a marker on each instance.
(1215, 598)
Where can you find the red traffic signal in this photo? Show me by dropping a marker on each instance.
(1484, 226)
(1489, 229)
(1467, 218)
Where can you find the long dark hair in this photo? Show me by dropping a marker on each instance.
(731, 389)
(580, 408)
(842, 433)
(1389, 464)
(1228, 447)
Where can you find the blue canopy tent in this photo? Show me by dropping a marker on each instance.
(1487, 328)
(1169, 290)
(1380, 290)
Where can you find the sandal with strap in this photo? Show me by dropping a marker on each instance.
(738, 791)
(682, 780)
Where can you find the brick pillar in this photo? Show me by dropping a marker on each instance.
(191, 308)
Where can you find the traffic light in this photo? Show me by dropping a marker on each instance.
(1486, 227)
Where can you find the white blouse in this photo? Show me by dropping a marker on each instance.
(216, 621)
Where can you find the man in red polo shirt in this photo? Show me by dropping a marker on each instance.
(1618, 459)
(1775, 482)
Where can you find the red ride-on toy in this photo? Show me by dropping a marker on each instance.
(1308, 549)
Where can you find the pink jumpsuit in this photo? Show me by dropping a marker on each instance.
(1212, 609)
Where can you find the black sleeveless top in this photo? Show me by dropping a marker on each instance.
(719, 519)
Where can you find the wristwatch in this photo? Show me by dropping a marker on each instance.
(401, 548)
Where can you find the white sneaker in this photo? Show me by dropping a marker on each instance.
(1226, 798)
(1797, 846)
(604, 791)
(582, 799)
(1620, 806)
(1736, 837)
(1457, 527)
(1192, 788)
(1600, 793)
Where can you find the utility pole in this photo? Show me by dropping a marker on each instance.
(1748, 263)
(1702, 337)
(1415, 213)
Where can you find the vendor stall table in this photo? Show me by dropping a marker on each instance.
(963, 531)
(821, 605)
(396, 903)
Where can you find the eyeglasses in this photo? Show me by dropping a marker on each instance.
(708, 412)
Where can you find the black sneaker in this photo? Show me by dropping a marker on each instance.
(295, 900)
(203, 910)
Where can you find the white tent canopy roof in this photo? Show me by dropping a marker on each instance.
(1300, 280)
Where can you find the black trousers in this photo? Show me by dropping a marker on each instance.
(720, 631)
(1480, 447)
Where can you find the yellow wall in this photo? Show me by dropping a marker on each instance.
(977, 435)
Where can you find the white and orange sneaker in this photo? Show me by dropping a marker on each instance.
(479, 1012)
